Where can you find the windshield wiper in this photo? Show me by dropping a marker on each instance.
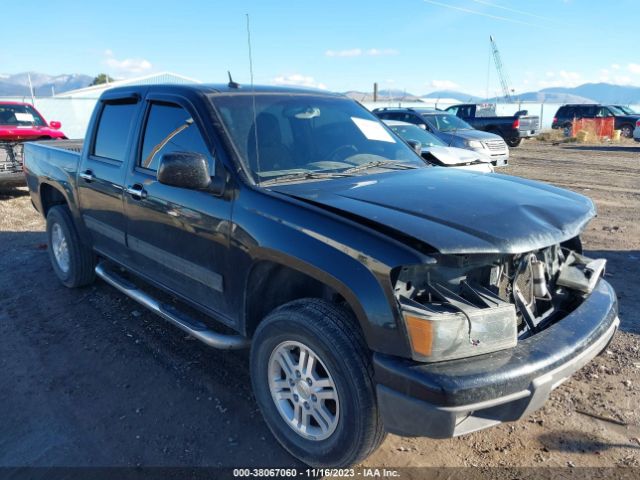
(304, 176)
(390, 164)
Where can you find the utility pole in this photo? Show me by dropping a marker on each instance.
(33, 100)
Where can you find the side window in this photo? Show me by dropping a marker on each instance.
(465, 112)
(453, 110)
(170, 128)
(411, 118)
(113, 131)
(384, 115)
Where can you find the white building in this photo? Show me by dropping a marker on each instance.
(95, 91)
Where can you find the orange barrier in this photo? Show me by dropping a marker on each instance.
(601, 127)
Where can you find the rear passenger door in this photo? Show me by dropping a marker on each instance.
(101, 173)
(177, 237)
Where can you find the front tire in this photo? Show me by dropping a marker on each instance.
(73, 262)
(313, 381)
(513, 141)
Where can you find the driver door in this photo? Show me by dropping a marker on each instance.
(177, 237)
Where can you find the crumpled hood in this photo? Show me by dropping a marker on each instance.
(452, 156)
(456, 211)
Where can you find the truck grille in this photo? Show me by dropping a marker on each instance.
(496, 145)
(11, 157)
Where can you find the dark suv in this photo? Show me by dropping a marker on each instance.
(622, 121)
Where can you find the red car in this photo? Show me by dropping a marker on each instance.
(20, 122)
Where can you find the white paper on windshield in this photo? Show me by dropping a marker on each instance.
(23, 117)
(372, 130)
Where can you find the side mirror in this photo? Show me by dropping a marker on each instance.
(416, 145)
(55, 125)
(185, 170)
(423, 126)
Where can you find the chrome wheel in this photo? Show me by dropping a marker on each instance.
(60, 248)
(303, 390)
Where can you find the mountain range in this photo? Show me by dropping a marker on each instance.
(45, 85)
(587, 93)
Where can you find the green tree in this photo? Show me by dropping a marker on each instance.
(101, 78)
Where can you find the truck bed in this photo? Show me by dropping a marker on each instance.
(54, 159)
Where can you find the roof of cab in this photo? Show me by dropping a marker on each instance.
(212, 89)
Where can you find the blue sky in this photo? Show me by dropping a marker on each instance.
(417, 45)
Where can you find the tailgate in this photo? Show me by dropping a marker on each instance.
(529, 123)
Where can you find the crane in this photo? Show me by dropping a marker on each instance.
(502, 74)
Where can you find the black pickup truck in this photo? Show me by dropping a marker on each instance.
(511, 128)
(377, 293)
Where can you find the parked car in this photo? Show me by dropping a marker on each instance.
(624, 122)
(626, 109)
(636, 131)
(511, 128)
(377, 293)
(20, 122)
(452, 130)
(436, 152)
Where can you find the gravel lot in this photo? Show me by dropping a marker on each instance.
(90, 379)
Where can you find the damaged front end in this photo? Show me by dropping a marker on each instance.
(465, 305)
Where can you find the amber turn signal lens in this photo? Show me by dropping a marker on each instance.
(420, 333)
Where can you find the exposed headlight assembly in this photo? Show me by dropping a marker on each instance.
(444, 325)
(474, 144)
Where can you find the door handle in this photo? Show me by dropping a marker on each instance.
(87, 176)
(137, 191)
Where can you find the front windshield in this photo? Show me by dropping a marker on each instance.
(616, 110)
(308, 134)
(626, 110)
(445, 122)
(413, 132)
(20, 115)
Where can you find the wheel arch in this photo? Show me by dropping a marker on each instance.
(272, 282)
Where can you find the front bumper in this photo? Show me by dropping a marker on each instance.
(12, 179)
(501, 160)
(447, 399)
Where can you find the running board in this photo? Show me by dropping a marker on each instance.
(192, 327)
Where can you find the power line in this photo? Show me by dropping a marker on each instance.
(508, 9)
(482, 14)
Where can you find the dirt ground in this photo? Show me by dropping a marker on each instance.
(88, 378)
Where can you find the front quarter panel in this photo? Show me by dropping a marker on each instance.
(353, 260)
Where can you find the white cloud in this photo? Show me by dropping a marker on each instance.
(634, 68)
(615, 66)
(443, 84)
(358, 52)
(562, 79)
(375, 52)
(298, 80)
(127, 66)
(354, 52)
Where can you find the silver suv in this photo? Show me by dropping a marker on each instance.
(452, 130)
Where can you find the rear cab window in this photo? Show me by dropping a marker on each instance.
(170, 128)
(114, 129)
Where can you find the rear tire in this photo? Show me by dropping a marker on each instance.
(343, 383)
(626, 131)
(73, 262)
